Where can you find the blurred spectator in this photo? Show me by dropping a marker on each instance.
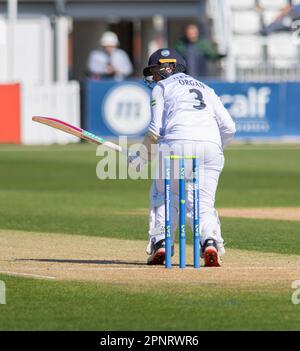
(110, 62)
(196, 51)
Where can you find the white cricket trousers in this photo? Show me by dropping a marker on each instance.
(211, 162)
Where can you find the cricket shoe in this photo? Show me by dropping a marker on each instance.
(158, 255)
(211, 254)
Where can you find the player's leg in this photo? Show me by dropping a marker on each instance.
(210, 229)
(156, 236)
(156, 240)
(156, 243)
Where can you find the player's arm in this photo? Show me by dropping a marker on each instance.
(155, 126)
(147, 152)
(224, 120)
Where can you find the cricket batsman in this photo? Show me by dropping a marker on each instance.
(187, 115)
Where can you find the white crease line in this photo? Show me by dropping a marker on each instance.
(27, 275)
(246, 269)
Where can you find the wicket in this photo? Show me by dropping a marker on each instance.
(182, 220)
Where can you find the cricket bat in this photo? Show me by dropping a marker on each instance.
(79, 132)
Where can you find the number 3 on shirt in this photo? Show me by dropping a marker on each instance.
(199, 97)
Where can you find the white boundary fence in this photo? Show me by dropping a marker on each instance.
(54, 100)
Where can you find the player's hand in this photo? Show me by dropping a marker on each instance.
(132, 156)
(135, 160)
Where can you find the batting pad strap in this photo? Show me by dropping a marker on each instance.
(157, 198)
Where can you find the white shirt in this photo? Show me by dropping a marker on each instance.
(187, 109)
(99, 60)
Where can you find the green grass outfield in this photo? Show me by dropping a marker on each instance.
(43, 305)
(55, 190)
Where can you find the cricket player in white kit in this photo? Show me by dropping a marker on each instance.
(189, 117)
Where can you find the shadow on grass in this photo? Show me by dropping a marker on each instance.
(76, 261)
